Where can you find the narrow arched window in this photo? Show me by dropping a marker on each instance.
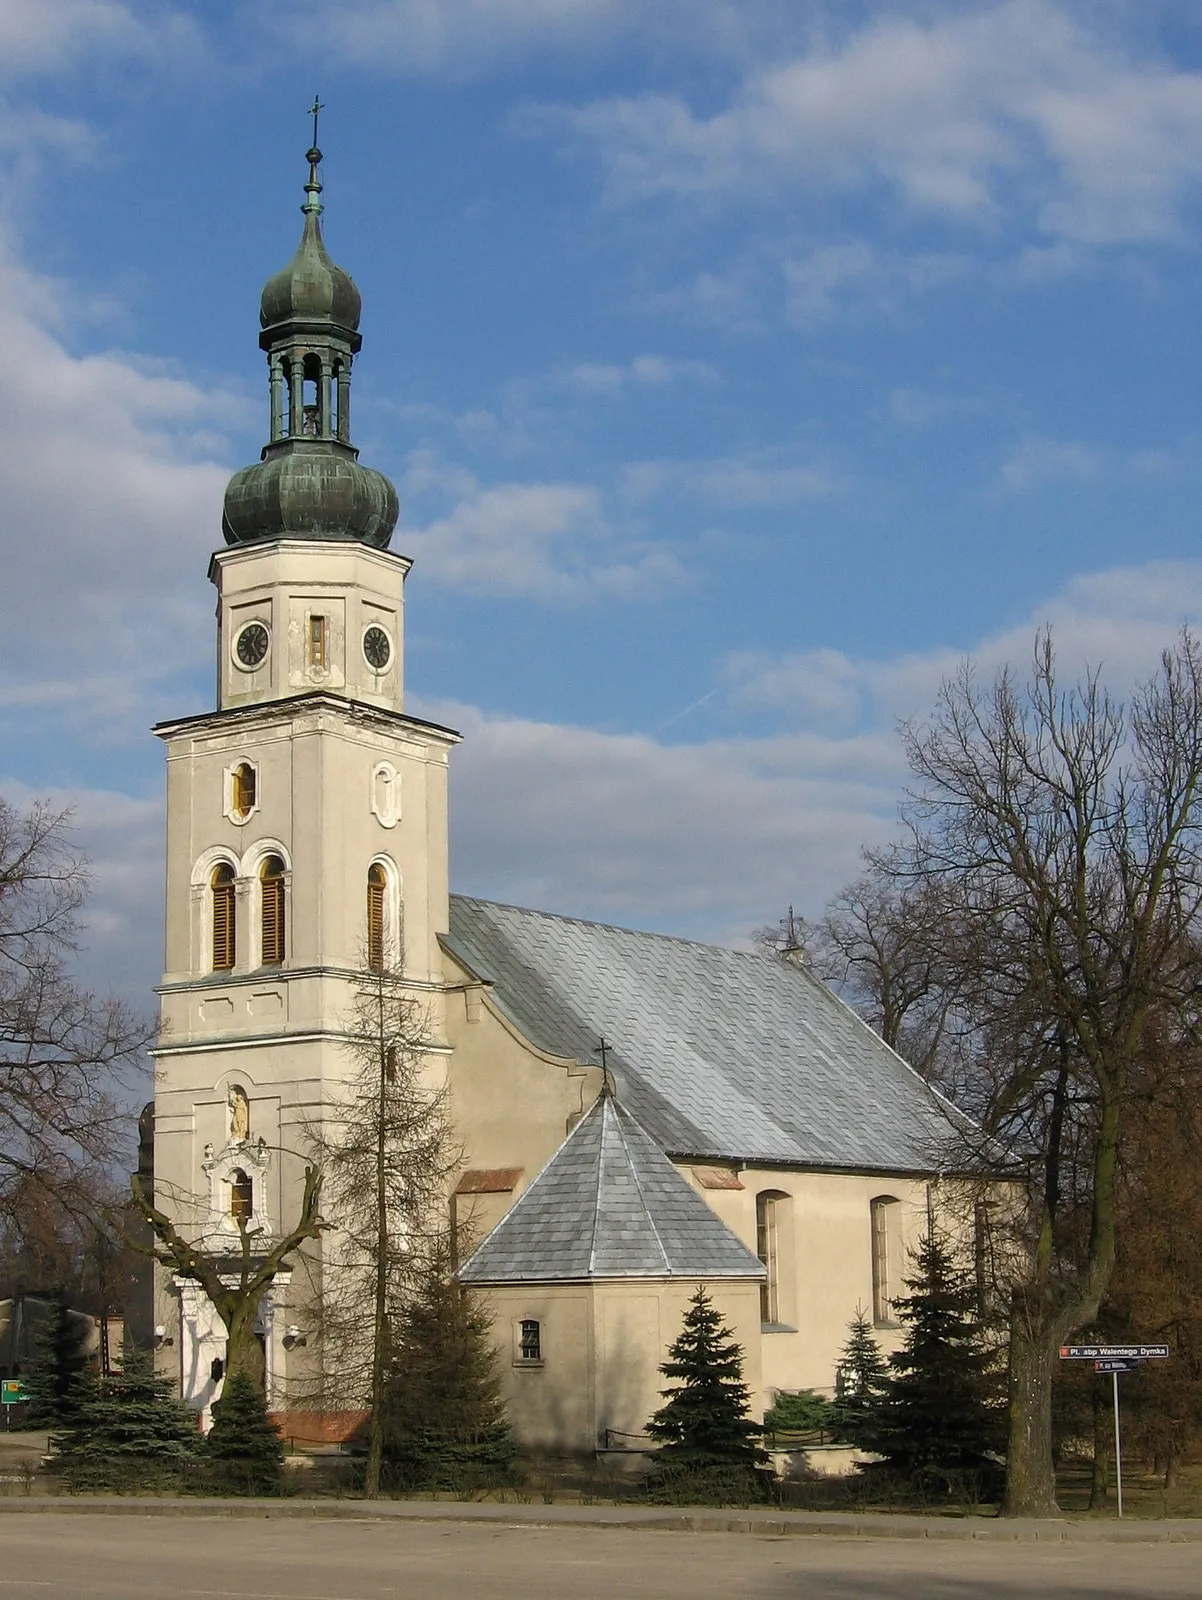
(242, 1196)
(245, 786)
(885, 1212)
(377, 884)
(223, 917)
(767, 1247)
(271, 883)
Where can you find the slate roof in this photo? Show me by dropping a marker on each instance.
(719, 1054)
(608, 1204)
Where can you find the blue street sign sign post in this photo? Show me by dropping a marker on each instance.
(1115, 1358)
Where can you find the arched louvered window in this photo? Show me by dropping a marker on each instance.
(377, 884)
(271, 883)
(242, 1196)
(224, 948)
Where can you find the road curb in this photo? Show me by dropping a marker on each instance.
(763, 1524)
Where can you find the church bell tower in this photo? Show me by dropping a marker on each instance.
(306, 821)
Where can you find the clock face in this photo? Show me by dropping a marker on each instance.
(377, 647)
(251, 645)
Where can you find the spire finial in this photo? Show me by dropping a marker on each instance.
(313, 187)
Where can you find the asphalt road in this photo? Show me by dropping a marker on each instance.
(51, 1557)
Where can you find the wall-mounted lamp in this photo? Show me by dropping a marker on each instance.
(293, 1337)
(162, 1338)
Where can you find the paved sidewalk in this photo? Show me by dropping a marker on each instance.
(763, 1522)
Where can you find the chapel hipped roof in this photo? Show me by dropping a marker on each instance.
(720, 1054)
(609, 1204)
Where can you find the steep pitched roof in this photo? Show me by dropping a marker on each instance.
(718, 1053)
(609, 1204)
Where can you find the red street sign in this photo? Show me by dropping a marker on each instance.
(1114, 1352)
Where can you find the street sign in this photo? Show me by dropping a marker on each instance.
(12, 1392)
(1115, 1358)
(1114, 1352)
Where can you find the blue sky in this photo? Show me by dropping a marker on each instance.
(740, 366)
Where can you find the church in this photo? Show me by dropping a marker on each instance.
(637, 1115)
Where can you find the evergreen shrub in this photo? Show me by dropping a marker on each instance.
(242, 1452)
(130, 1433)
(709, 1449)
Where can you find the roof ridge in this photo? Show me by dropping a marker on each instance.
(638, 1183)
(614, 927)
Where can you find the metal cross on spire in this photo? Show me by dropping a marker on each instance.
(602, 1050)
(315, 111)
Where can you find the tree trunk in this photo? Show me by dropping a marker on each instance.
(1099, 1477)
(1030, 1478)
(243, 1351)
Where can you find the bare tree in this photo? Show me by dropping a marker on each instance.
(386, 1152)
(64, 1053)
(235, 1285)
(1058, 837)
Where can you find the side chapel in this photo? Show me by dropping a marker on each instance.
(747, 1131)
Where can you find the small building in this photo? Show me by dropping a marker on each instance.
(588, 1276)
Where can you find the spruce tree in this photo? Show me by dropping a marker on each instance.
(707, 1442)
(938, 1418)
(443, 1418)
(860, 1383)
(130, 1432)
(243, 1450)
(56, 1382)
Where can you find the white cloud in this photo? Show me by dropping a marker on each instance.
(969, 114)
(1037, 461)
(121, 927)
(729, 483)
(646, 371)
(112, 503)
(709, 839)
(460, 39)
(36, 34)
(1118, 620)
(547, 541)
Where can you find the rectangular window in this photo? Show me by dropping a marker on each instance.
(317, 642)
(530, 1346)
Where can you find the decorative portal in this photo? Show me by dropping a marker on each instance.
(239, 1115)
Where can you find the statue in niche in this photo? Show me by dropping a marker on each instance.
(239, 1115)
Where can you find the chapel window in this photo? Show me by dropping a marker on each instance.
(885, 1214)
(223, 917)
(767, 1247)
(271, 883)
(377, 883)
(245, 786)
(242, 1196)
(530, 1340)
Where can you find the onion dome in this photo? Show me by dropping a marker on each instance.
(302, 491)
(311, 288)
(308, 483)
